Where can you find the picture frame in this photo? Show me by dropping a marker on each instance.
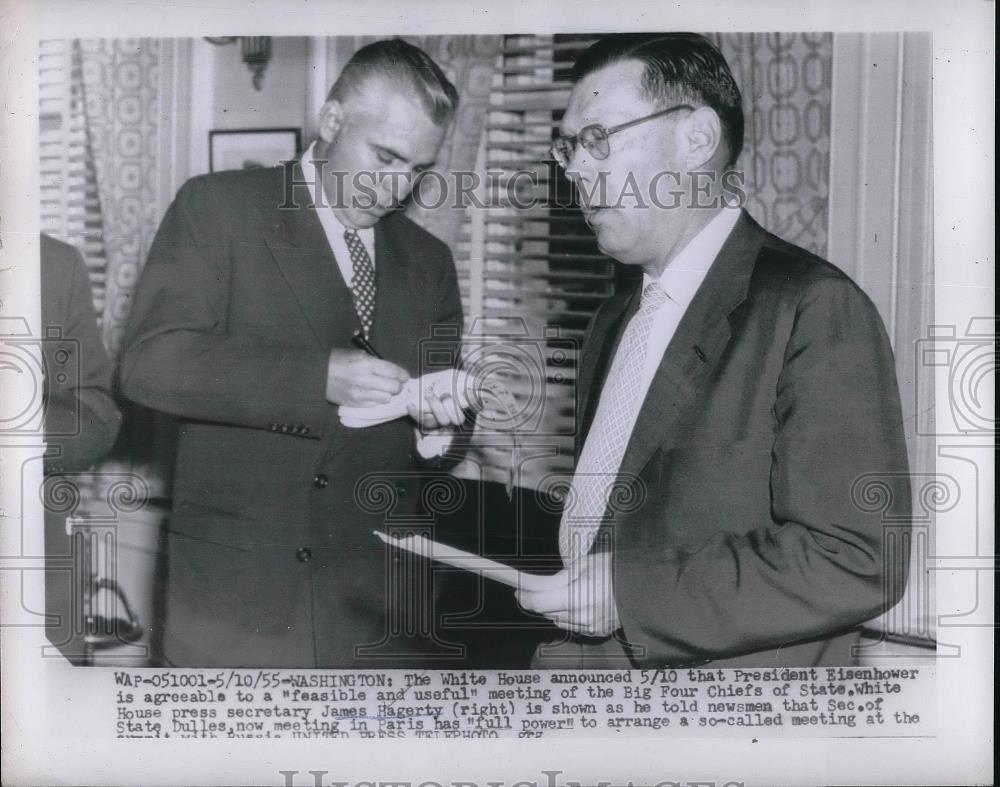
(251, 148)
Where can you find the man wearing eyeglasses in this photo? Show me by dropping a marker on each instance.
(729, 405)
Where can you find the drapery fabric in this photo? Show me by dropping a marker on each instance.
(121, 106)
(469, 62)
(785, 79)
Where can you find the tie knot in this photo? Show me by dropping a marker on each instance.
(653, 297)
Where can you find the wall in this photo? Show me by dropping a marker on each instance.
(281, 101)
(222, 95)
(880, 220)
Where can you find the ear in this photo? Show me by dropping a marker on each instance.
(703, 135)
(331, 118)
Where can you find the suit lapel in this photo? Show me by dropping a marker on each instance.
(395, 290)
(696, 347)
(303, 255)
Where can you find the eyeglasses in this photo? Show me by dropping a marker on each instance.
(594, 138)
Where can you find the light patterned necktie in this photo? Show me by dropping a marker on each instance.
(363, 280)
(601, 458)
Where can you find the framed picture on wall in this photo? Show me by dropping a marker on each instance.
(251, 148)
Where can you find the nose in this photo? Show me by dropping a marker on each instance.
(581, 167)
(392, 188)
(582, 173)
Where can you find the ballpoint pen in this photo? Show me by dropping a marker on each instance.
(359, 341)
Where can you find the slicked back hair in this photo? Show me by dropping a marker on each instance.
(404, 66)
(678, 68)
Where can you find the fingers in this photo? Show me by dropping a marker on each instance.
(590, 620)
(586, 620)
(376, 375)
(382, 368)
(373, 380)
(357, 379)
(550, 601)
(578, 602)
(424, 418)
(367, 398)
(584, 629)
(436, 409)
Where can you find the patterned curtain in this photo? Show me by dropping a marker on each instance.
(785, 79)
(120, 86)
(121, 106)
(469, 62)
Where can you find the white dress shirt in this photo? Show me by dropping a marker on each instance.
(429, 444)
(681, 280)
(332, 227)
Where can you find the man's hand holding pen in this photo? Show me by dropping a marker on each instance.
(362, 378)
(357, 379)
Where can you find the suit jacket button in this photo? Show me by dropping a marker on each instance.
(320, 481)
(303, 554)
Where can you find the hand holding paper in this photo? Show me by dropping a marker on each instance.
(439, 396)
(440, 399)
(580, 598)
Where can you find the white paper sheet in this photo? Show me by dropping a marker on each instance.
(469, 562)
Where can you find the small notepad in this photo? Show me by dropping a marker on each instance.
(448, 382)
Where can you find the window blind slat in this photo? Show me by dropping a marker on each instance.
(70, 207)
(539, 269)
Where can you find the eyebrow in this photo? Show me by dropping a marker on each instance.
(390, 151)
(401, 157)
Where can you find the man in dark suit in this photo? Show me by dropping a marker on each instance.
(242, 326)
(81, 422)
(81, 418)
(744, 394)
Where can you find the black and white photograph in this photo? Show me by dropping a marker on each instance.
(252, 148)
(464, 381)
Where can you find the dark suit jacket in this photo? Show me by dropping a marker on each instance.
(272, 560)
(81, 422)
(81, 418)
(746, 539)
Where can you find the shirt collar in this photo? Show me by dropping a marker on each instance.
(310, 176)
(685, 273)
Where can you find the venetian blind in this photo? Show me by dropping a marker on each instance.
(534, 276)
(70, 205)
